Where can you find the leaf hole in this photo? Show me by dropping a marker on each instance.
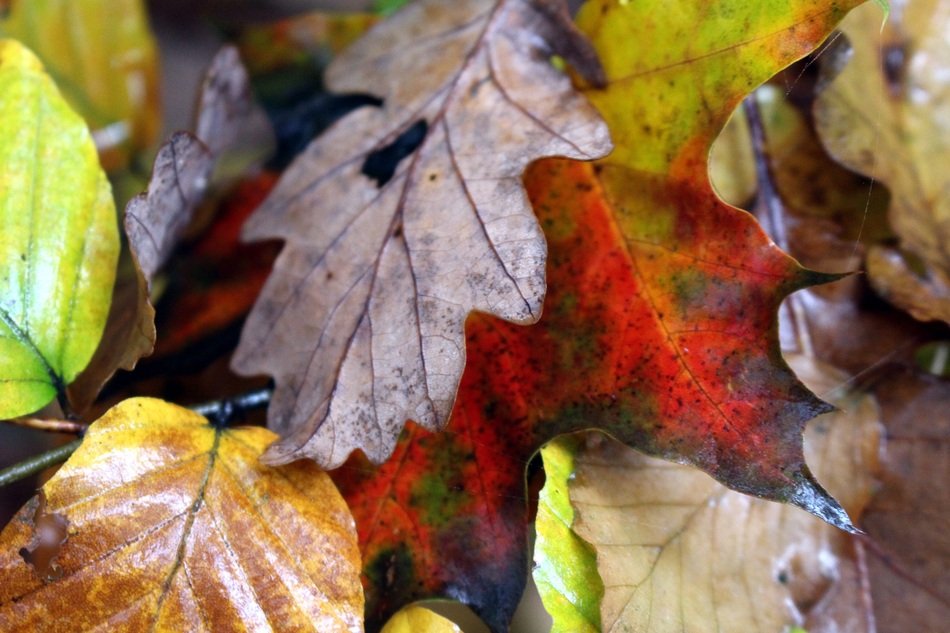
(381, 164)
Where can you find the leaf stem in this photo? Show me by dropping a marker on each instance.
(51, 426)
(37, 463)
(770, 212)
(219, 412)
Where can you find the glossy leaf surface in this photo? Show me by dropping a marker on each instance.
(59, 243)
(162, 522)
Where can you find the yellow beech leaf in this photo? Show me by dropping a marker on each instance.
(161, 521)
(103, 57)
(419, 620)
(678, 551)
(59, 241)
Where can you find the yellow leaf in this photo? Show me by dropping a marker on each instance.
(415, 619)
(162, 522)
(104, 59)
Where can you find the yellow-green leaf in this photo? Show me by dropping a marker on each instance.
(59, 244)
(103, 57)
(163, 522)
(565, 565)
(414, 619)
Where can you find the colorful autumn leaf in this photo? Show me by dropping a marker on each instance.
(643, 264)
(161, 521)
(104, 59)
(59, 244)
(361, 322)
(679, 552)
(888, 116)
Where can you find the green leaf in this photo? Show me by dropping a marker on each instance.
(60, 243)
(565, 565)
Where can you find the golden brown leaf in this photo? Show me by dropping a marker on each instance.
(679, 552)
(172, 524)
(888, 116)
(402, 219)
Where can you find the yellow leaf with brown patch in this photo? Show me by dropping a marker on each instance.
(160, 521)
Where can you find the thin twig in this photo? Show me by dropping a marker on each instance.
(219, 412)
(51, 426)
(37, 463)
(770, 212)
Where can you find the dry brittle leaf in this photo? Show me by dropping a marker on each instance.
(173, 524)
(403, 219)
(155, 220)
(679, 552)
(888, 116)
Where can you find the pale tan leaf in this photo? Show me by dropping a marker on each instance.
(361, 322)
(888, 116)
(679, 552)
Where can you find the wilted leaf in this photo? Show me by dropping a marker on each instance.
(104, 59)
(446, 516)
(679, 552)
(59, 244)
(156, 220)
(172, 524)
(565, 566)
(419, 620)
(402, 219)
(888, 116)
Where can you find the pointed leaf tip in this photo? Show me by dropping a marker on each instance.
(811, 497)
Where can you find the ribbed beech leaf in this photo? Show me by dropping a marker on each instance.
(659, 326)
(402, 219)
(161, 521)
(59, 241)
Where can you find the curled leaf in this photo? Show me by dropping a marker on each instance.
(173, 524)
(402, 219)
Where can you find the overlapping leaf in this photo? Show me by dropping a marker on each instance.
(679, 552)
(59, 243)
(889, 117)
(162, 522)
(103, 57)
(156, 220)
(661, 311)
(361, 322)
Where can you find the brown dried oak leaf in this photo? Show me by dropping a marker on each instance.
(362, 321)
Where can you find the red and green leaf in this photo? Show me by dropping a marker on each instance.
(659, 326)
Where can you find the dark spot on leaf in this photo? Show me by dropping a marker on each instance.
(381, 164)
(49, 534)
(894, 61)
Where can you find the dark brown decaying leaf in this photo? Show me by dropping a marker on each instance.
(155, 220)
(361, 322)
